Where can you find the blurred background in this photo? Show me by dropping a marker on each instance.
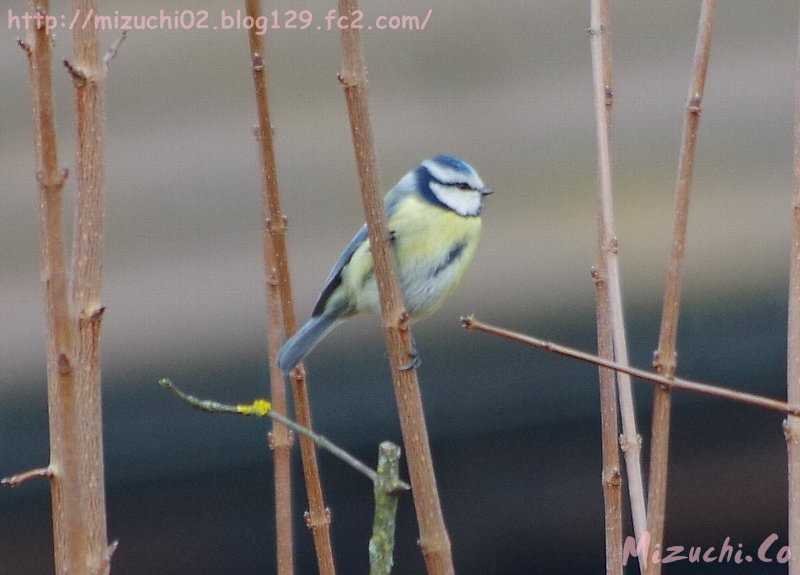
(515, 432)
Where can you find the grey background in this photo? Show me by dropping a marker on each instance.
(515, 432)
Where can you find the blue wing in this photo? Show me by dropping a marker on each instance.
(334, 279)
(404, 187)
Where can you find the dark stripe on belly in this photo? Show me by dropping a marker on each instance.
(454, 253)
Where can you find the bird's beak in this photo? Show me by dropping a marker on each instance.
(487, 191)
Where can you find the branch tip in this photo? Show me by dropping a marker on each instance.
(112, 51)
(78, 76)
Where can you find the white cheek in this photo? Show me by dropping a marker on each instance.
(466, 203)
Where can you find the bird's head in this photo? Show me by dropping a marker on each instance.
(452, 183)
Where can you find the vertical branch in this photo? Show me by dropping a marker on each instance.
(608, 259)
(88, 76)
(612, 481)
(434, 540)
(64, 486)
(280, 438)
(281, 306)
(387, 490)
(792, 424)
(665, 359)
(611, 477)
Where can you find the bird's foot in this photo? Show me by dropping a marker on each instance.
(414, 361)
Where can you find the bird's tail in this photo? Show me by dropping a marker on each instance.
(301, 343)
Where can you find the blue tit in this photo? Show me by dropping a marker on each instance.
(434, 219)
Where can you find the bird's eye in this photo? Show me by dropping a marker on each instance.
(463, 186)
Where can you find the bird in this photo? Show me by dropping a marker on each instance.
(433, 216)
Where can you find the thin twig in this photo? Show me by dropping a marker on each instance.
(608, 259)
(434, 540)
(387, 490)
(87, 276)
(611, 478)
(112, 51)
(472, 324)
(792, 424)
(665, 359)
(16, 480)
(65, 485)
(263, 408)
(277, 265)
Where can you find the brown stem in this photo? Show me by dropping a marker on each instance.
(792, 424)
(434, 540)
(65, 485)
(470, 323)
(280, 293)
(608, 258)
(611, 477)
(87, 266)
(665, 359)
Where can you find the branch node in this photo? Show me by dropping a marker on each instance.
(597, 277)
(347, 79)
(592, 32)
(403, 320)
(274, 442)
(612, 477)
(52, 187)
(258, 62)
(79, 77)
(25, 47)
(695, 104)
(64, 364)
(315, 521)
(20, 478)
(298, 374)
(609, 93)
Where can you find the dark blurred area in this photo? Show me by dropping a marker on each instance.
(515, 432)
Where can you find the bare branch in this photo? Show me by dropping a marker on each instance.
(20, 478)
(665, 360)
(279, 290)
(608, 263)
(792, 424)
(472, 324)
(263, 408)
(87, 279)
(64, 421)
(387, 490)
(612, 479)
(434, 540)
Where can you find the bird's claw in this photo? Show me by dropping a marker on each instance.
(413, 363)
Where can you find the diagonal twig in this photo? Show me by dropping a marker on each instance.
(472, 324)
(264, 408)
